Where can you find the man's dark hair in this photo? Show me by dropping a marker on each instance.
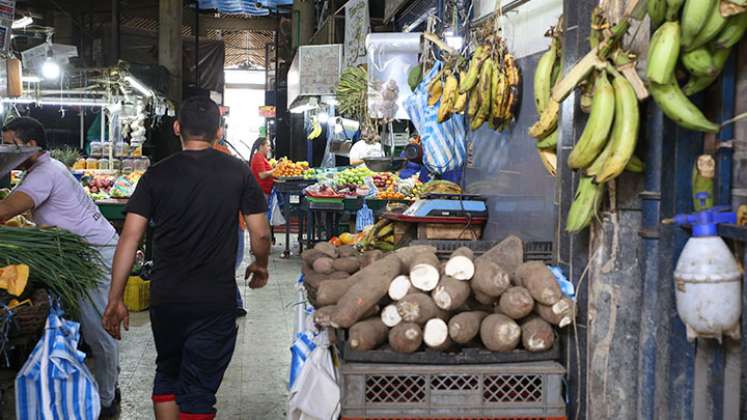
(199, 119)
(27, 129)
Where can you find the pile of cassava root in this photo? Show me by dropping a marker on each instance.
(409, 299)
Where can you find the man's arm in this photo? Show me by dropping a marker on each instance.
(259, 231)
(116, 311)
(17, 203)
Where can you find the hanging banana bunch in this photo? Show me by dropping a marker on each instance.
(486, 88)
(699, 35)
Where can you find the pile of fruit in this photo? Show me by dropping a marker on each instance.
(353, 176)
(487, 87)
(98, 184)
(390, 194)
(383, 180)
(698, 35)
(286, 168)
(310, 173)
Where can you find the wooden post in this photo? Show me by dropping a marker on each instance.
(170, 44)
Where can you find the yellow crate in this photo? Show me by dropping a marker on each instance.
(137, 294)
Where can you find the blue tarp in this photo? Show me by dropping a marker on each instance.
(250, 7)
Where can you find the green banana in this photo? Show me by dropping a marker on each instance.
(732, 32)
(657, 10)
(679, 109)
(596, 167)
(474, 103)
(673, 9)
(713, 25)
(484, 91)
(473, 73)
(635, 165)
(699, 83)
(543, 77)
(738, 2)
(548, 121)
(625, 132)
(594, 136)
(694, 16)
(663, 52)
(585, 206)
(549, 142)
(415, 76)
(699, 62)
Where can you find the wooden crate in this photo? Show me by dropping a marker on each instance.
(449, 231)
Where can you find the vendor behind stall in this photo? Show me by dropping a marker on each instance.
(261, 167)
(56, 198)
(369, 146)
(414, 155)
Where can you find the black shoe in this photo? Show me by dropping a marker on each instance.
(240, 312)
(117, 396)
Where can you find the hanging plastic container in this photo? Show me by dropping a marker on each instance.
(708, 286)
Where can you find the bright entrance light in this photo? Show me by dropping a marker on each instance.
(50, 69)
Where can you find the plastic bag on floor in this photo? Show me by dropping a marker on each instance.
(55, 382)
(315, 394)
(276, 214)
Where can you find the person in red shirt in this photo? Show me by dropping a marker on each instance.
(261, 167)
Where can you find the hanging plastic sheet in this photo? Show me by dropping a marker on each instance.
(390, 58)
(55, 382)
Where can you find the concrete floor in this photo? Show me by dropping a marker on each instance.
(255, 385)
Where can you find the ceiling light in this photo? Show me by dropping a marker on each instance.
(139, 86)
(22, 22)
(50, 69)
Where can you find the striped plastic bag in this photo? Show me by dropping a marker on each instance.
(443, 144)
(55, 382)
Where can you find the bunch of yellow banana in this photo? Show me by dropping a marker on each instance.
(696, 34)
(488, 90)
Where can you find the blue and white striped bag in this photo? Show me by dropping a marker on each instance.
(55, 382)
(443, 144)
(300, 351)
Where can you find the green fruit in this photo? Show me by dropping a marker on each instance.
(695, 13)
(711, 29)
(663, 53)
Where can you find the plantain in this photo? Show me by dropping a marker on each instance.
(512, 70)
(473, 73)
(663, 52)
(698, 83)
(448, 99)
(435, 90)
(543, 76)
(657, 10)
(713, 25)
(548, 121)
(596, 167)
(679, 109)
(694, 16)
(415, 76)
(594, 136)
(484, 91)
(732, 32)
(673, 9)
(474, 103)
(549, 160)
(585, 205)
(497, 89)
(625, 132)
(549, 142)
(699, 62)
(514, 97)
(461, 99)
(635, 165)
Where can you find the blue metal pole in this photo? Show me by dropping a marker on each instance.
(725, 154)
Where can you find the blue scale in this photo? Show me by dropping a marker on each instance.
(448, 205)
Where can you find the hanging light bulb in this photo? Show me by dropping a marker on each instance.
(50, 69)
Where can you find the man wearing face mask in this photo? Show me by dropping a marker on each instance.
(56, 198)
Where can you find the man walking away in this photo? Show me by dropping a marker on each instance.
(192, 198)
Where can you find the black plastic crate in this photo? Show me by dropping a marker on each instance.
(533, 251)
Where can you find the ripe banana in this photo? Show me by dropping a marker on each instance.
(316, 130)
(497, 91)
(698, 83)
(585, 206)
(625, 132)
(543, 77)
(461, 103)
(473, 73)
(663, 52)
(474, 103)
(694, 16)
(657, 10)
(435, 90)
(448, 98)
(713, 25)
(673, 9)
(732, 32)
(484, 91)
(699, 62)
(597, 129)
(548, 121)
(512, 70)
(679, 109)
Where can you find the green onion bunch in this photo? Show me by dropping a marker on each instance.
(58, 260)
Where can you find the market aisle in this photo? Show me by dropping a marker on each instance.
(255, 386)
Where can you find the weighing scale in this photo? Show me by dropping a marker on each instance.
(461, 206)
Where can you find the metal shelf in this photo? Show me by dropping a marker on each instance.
(735, 232)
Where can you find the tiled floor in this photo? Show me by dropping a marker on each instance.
(255, 385)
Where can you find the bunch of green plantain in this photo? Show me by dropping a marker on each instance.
(694, 36)
(352, 91)
(487, 88)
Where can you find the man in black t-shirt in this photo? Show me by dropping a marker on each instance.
(192, 198)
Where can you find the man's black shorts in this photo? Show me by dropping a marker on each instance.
(194, 345)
